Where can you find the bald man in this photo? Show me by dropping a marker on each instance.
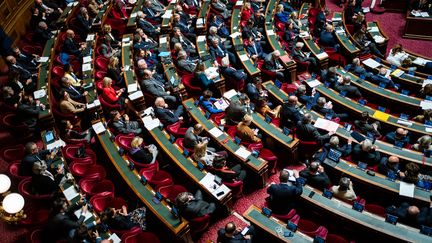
(72, 48)
(167, 116)
(290, 114)
(399, 136)
(406, 213)
(390, 164)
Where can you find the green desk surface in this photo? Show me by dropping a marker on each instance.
(253, 162)
(137, 7)
(44, 69)
(411, 82)
(383, 147)
(375, 33)
(343, 37)
(169, 69)
(373, 222)
(203, 13)
(310, 43)
(143, 192)
(269, 225)
(166, 21)
(126, 61)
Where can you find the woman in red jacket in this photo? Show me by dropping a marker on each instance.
(247, 12)
(112, 96)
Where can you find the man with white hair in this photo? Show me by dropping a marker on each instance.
(218, 50)
(72, 48)
(307, 132)
(165, 115)
(326, 109)
(156, 88)
(335, 144)
(298, 55)
(366, 152)
(357, 69)
(345, 86)
(42, 33)
(383, 78)
(230, 72)
(272, 64)
(184, 63)
(149, 28)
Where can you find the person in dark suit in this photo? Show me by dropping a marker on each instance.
(42, 33)
(326, 109)
(425, 216)
(19, 86)
(218, 22)
(236, 110)
(33, 154)
(193, 206)
(151, 12)
(334, 144)
(420, 5)
(357, 69)
(315, 176)
(330, 76)
(328, 39)
(290, 35)
(255, 50)
(167, 116)
(184, 63)
(299, 55)
(290, 114)
(142, 154)
(75, 92)
(365, 127)
(156, 88)
(382, 77)
(187, 45)
(228, 174)
(307, 132)
(72, 48)
(232, 234)
(345, 86)
(284, 196)
(84, 21)
(123, 125)
(192, 136)
(305, 99)
(147, 27)
(272, 64)
(234, 75)
(406, 213)
(186, 29)
(250, 30)
(400, 135)
(26, 60)
(390, 164)
(19, 72)
(120, 219)
(366, 152)
(255, 91)
(43, 182)
(28, 111)
(218, 50)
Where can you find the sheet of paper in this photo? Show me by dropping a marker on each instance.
(426, 81)
(135, 95)
(426, 104)
(313, 83)
(87, 59)
(243, 152)
(215, 132)
(167, 14)
(86, 67)
(90, 37)
(162, 40)
(424, 14)
(150, 123)
(244, 57)
(397, 72)
(221, 104)
(221, 188)
(57, 144)
(239, 3)
(304, 34)
(132, 87)
(428, 129)
(420, 61)
(93, 105)
(405, 123)
(235, 34)
(126, 67)
(373, 29)
(127, 39)
(336, 19)
(382, 116)
(133, 15)
(208, 182)
(340, 31)
(39, 94)
(290, 175)
(70, 193)
(200, 21)
(406, 189)
(415, 13)
(114, 238)
(43, 59)
(87, 214)
(201, 38)
(99, 127)
(378, 39)
(322, 55)
(326, 125)
(229, 94)
(371, 63)
(270, 32)
(366, 9)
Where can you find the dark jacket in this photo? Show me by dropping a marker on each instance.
(127, 127)
(120, 222)
(283, 197)
(27, 162)
(289, 116)
(307, 132)
(358, 155)
(319, 181)
(197, 207)
(141, 156)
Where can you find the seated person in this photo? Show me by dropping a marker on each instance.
(284, 196)
(366, 44)
(68, 106)
(115, 71)
(406, 213)
(142, 154)
(10, 98)
(27, 111)
(307, 132)
(26, 60)
(290, 114)
(221, 8)
(68, 132)
(400, 135)
(245, 133)
(107, 50)
(264, 109)
(344, 190)
(350, 90)
(71, 47)
(193, 206)
(184, 63)
(328, 38)
(75, 92)
(21, 74)
(166, 115)
(255, 50)
(231, 234)
(32, 155)
(115, 97)
(235, 75)
(397, 56)
(255, 90)
(423, 143)
(108, 35)
(426, 91)
(149, 28)
(205, 155)
(272, 64)
(218, 51)
(383, 78)
(281, 15)
(425, 117)
(326, 108)
(290, 35)
(236, 110)
(120, 219)
(187, 45)
(365, 127)
(304, 98)
(411, 174)
(390, 164)
(251, 30)
(187, 29)
(315, 176)
(206, 101)
(192, 137)
(357, 68)
(330, 76)
(298, 55)
(204, 81)
(43, 182)
(123, 125)
(71, 76)
(84, 23)
(296, 21)
(156, 87)
(26, 86)
(151, 12)
(366, 152)
(334, 144)
(235, 173)
(42, 33)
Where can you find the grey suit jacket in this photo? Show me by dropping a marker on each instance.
(190, 139)
(154, 87)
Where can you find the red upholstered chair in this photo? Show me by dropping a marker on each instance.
(101, 63)
(192, 90)
(14, 171)
(265, 154)
(217, 117)
(91, 186)
(308, 148)
(280, 26)
(84, 170)
(69, 152)
(33, 49)
(199, 224)
(35, 216)
(283, 217)
(236, 188)
(312, 229)
(375, 209)
(171, 191)
(24, 188)
(124, 141)
(11, 153)
(100, 74)
(156, 177)
(295, 219)
(10, 121)
(336, 239)
(176, 130)
(139, 165)
(35, 236)
(302, 66)
(58, 71)
(179, 142)
(108, 106)
(136, 237)
(106, 199)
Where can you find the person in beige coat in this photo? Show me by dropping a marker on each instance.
(69, 106)
(344, 190)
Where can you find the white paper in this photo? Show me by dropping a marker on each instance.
(70, 193)
(90, 37)
(114, 238)
(133, 15)
(70, 4)
(405, 123)
(428, 129)
(215, 132)
(221, 104)
(406, 189)
(371, 63)
(326, 125)
(228, 95)
(373, 29)
(136, 95)
(87, 59)
(322, 55)
(162, 40)
(167, 14)
(426, 81)
(336, 19)
(420, 61)
(244, 57)
(221, 188)
(56, 144)
(304, 34)
(39, 94)
(208, 182)
(243, 152)
(340, 31)
(313, 83)
(43, 59)
(235, 34)
(87, 215)
(86, 67)
(211, 72)
(424, 14)
(270, 32)
(201, 38)
(426, 104)
(150, 123)
(75, 3)
(366, 9)
(290, 175)
(94, 104)
(99, 127)
(415, 13)
(127, 39)
(200, 21)
(378, 39)
(239, 3)
(132, 87)
(398, 72)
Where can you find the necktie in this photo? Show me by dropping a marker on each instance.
(221, 51)
(151, 12)
(76, 91)
(256, 51)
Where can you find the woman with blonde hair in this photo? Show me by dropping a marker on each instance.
(245, 133)
(294, 19)
(281, 15)
(142, 154)
(108, 35)
(115, 71)
(206, 156)
(112, 96)
(423, 143)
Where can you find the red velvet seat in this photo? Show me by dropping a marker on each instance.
(24, 188)
(100, 75)
(217, 117)
(108, 106)
(179, 142)
(14, 171)
(101, 64)
(176, 130)
(192, 90)
(171, 191)
(312, 229)
(11, 122)
(69, 152)
(375, 209)
(35, 236)
(199, 224)
(156, 177)
(336, 239)
(124, 141)
(236, 188)
(84, 170)
(35, 216)
(284, 217)
(11, 153)
(106, 199)
(91, 186)
(137, 237)
(265, 154)
(308, 148)
(58, 71)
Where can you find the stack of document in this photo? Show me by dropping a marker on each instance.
(94, 104)
(135, 95)
(371, 63)
(99, 128)
(150, 123)
(326, 125)
(243, 152)
(229, 94)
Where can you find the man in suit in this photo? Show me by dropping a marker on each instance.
(151, 12)
(84, 22)
(299, 55)
(255, 50)
(425, 216)
(25, 76)
(75, 92)
(290, 114)
(345, 86)
(254, 90)
(284, 196)
(33, 154)
(366, 152)
(26, 60)
(390, 164)
(326, 109)
(365, 127)
(184, 63)
(218, 50)
(221, 8)
(272, 64)
(232, 234)
(156, 87)
(330, 76)
(328, 39)
(68, 106)
(334, 144)
(42, 33)
(304, 98)
(167, 116)
(236, 110)
(186, 29)
(307, 132)
(383, 78)
(251, 31)
(187, 45)
(316, 176)
(400, 135)
(72, 48)
(406, 213)
(149, 28)
(192, 136)
(235, 75)
(28, 111)
(122, 124)
(357, 69)
(193, 206)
